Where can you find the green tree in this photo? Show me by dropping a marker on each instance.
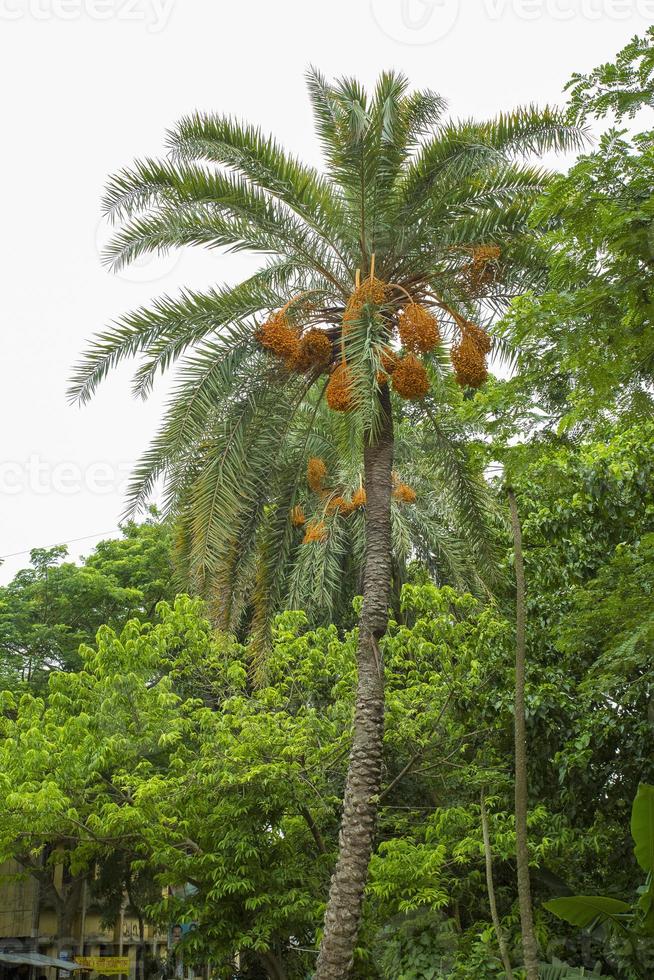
(587, 521)
(622, 87)
(629, 923)
(416, 220)
(157, 760)
(49, 609)
(585, 342)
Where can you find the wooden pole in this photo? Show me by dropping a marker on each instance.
(529, 943)
(82, 924)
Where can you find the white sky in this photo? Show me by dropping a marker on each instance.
(90, 84)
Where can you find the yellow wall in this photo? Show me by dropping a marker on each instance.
(16, 904)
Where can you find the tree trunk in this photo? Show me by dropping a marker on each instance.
(529, 945)
(490, 884)
(363, 783)
(273, 966)
(66, 903)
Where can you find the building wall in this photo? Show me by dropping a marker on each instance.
(17, 898)
(16, 902)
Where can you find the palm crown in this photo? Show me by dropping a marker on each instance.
(412, 239)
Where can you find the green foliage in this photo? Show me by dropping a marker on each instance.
(587, 517)
(642, 827)
(622, 87)
(151, 757)
(161, 759)
(417, 948)
(630, 921)
(49, 609)
(585, 344)
(158, 755)
(585, 911)
(562, 971)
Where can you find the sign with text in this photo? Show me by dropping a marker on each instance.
(109, 965)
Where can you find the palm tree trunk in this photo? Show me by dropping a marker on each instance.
(529, 944)
(490, 884)
(362, 786)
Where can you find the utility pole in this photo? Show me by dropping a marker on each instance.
(82, 921)
(121, 926)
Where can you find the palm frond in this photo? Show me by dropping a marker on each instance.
(171, 326)
(264, 163)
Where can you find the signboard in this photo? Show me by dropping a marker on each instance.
(64, 955)
(180, 930)
(110, 965)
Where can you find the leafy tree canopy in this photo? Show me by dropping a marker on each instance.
(586, 347)
(53, 606)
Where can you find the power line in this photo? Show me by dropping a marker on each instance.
(87, 537)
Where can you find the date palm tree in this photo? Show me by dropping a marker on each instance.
(406, 246)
